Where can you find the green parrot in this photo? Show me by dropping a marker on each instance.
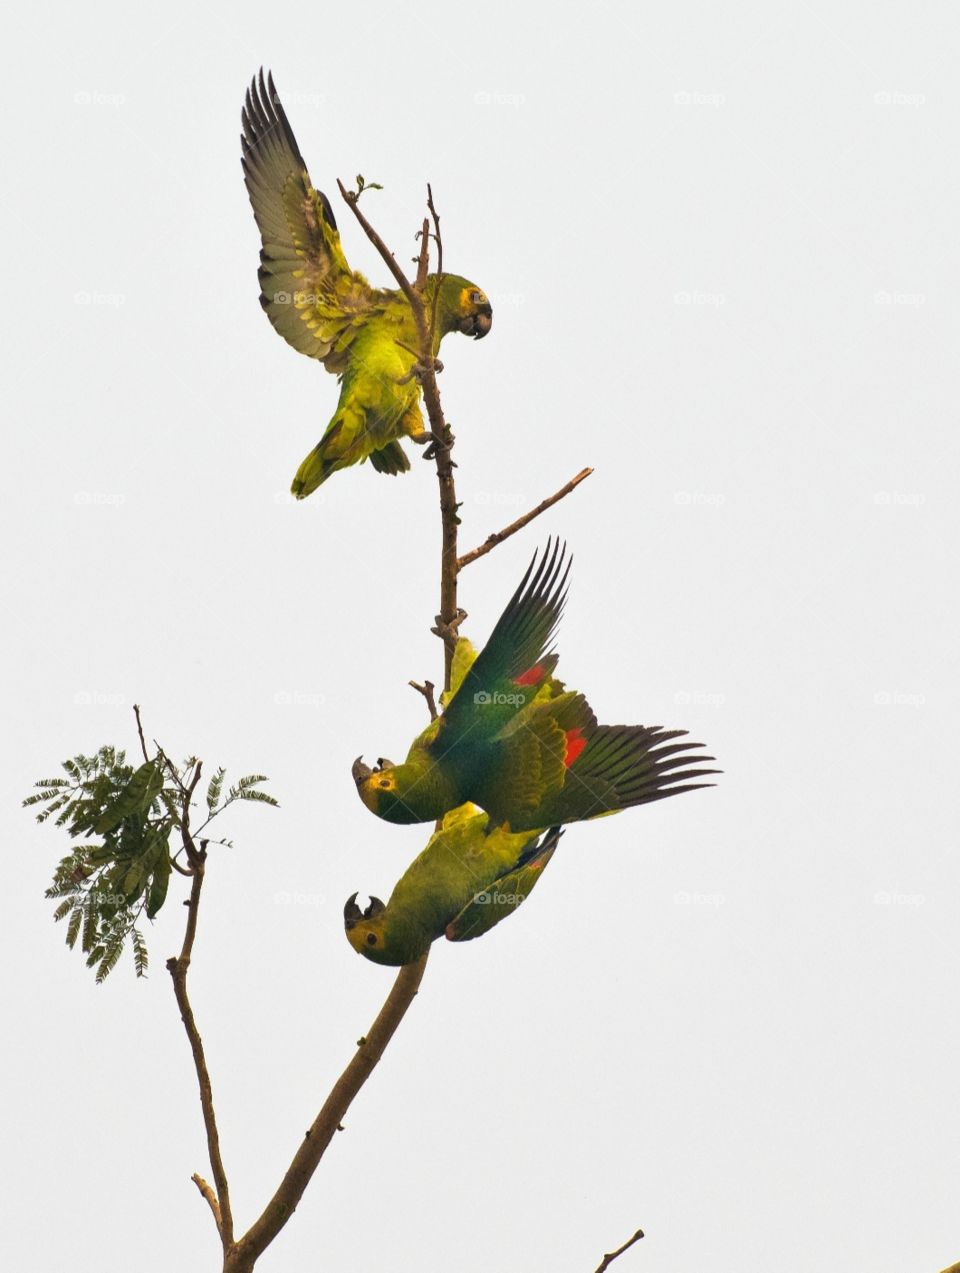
(515, 741)
(463, 883)
(326, 310)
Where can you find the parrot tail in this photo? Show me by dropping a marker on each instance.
(390, 459)
(625, 765)
(313, 472)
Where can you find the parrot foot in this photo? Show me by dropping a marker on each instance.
(448, 631)
(419, 370)
(439, 444)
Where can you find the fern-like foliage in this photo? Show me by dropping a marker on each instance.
(105, 887)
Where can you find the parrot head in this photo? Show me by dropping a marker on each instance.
(372, 934)
(463, 307)
(398, 793)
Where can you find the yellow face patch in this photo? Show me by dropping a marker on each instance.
(471, 298)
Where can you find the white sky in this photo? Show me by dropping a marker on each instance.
(720, 243)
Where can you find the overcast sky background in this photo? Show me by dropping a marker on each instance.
(721, 248)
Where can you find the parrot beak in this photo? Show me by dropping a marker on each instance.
(385, 764)
(360, 771)
(477, 325)
(352, 914)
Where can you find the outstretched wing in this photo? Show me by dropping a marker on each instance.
(310, 294)
(515, 662)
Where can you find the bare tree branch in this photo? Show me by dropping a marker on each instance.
(491, 541)
(211, 1197)
(305, 1161)
(609, 1259)
(178, 967)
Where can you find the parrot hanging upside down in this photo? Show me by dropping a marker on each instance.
(463, 883)
(330, 312)
(514, 741)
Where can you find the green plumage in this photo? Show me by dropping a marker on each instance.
(513, 740)
(463, 883)
(324, 309)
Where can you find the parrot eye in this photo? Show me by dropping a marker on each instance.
(384, 782)
(478, 298)
(371, 939)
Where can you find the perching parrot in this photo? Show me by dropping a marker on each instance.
(513, 740)
(328, 311)
(463, 883)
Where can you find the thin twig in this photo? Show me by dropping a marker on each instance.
(439, 242)
(423, 263)
(492, 540)
(178, 968)
(143, 744)
(427, 340)
(210, 1196)
(307, 1158)
(426, 689)
(609, 1259)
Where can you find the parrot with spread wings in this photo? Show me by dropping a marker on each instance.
(362, 334)
(513, 740)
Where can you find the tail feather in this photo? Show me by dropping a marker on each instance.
(626, 765)
(390, 459)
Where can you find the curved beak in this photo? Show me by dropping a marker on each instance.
(477, 325)
(351, 912)
(360, 771)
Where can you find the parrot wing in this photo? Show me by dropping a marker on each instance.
(624, 765)
(515, 662)
(530, 760)
(310, 294)
(505, 894)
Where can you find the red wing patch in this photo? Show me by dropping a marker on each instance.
(532, 676)
(575, 745)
